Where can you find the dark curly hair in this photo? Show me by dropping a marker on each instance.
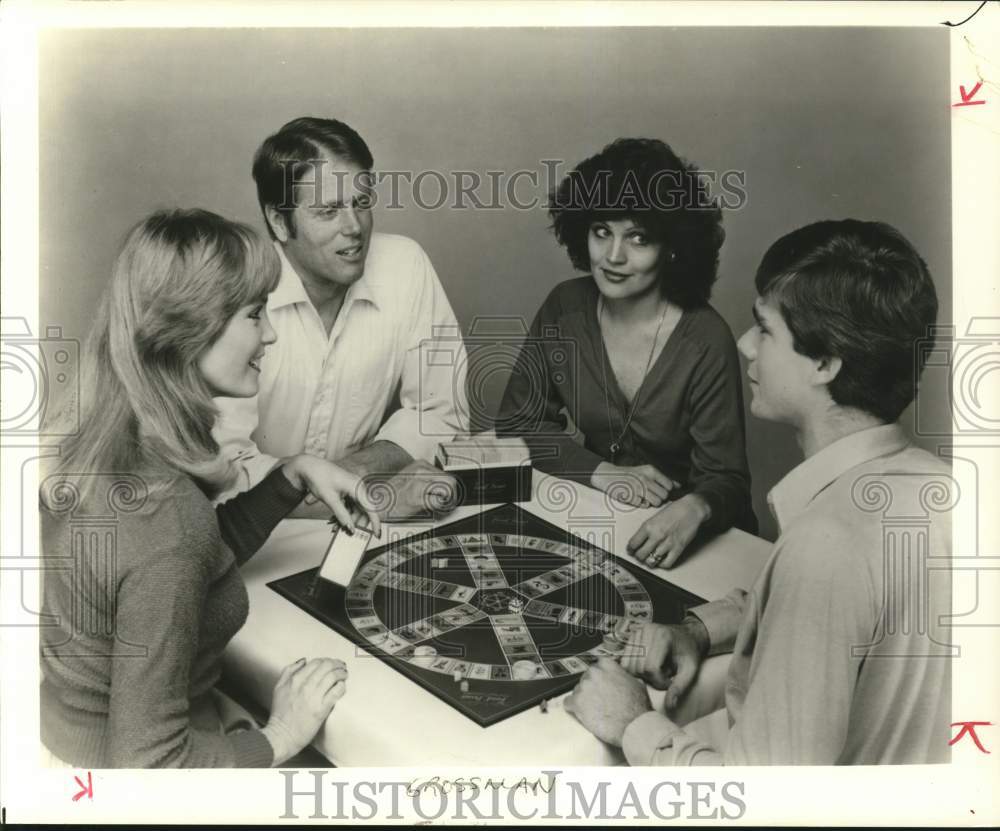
(644, 180)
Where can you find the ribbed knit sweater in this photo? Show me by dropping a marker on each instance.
(145, 599)
(686, 418)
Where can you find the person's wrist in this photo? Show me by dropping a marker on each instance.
(292, 469)
(280, 740)
(699, 505)
(699, 634)
(641, 705)
(598, 479)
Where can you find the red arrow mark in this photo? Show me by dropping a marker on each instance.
(967, 96)
(969, 729)
(88, 789)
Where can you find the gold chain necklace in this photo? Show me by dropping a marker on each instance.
(615, 444)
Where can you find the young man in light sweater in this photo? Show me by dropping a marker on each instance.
(838, 655)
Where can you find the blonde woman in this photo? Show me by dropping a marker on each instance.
(130, 666)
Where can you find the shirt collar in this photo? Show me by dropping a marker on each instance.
(290, 290)
(802, 484)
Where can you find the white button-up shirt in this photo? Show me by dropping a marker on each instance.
(329, 396)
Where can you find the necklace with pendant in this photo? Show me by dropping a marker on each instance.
(616, 441)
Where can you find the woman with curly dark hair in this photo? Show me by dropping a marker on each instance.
(634, 355)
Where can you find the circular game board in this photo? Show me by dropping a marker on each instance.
(497, 607)
(491, 613)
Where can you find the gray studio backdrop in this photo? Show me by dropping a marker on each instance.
(825, 123)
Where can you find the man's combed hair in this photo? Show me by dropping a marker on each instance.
(644, 180)
(857, 291)
(286, 157)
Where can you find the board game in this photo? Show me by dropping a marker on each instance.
(493, 613)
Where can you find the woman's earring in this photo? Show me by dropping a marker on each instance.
(673, 256)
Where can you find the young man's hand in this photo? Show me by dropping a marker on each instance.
(665, 657)
(607, 700)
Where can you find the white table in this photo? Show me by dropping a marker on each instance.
(388, 720)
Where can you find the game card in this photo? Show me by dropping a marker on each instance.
(556, 669)
(574, 664)
(343, 555)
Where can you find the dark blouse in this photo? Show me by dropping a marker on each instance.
(688, 420)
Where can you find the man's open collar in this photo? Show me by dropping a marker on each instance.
(802, 484)
(290, 290)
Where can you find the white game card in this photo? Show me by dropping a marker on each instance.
(343, 555)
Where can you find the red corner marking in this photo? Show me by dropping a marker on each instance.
(969, 729)
(967, 96)
(88, 789)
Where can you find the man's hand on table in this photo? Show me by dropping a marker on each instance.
(396, 486)
(665, 657)
(607, 700)
(375, 464)
(418, 489)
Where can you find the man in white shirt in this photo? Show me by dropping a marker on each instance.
(369, 365)
(839, 653)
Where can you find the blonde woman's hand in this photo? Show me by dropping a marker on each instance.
(343, 492)
(303, 698)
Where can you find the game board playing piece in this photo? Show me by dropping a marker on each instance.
(424, 656)
(524, 670)
(464, 686)
(515, 606)
(457, 675)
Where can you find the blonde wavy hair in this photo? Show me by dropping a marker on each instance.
(179, 279)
